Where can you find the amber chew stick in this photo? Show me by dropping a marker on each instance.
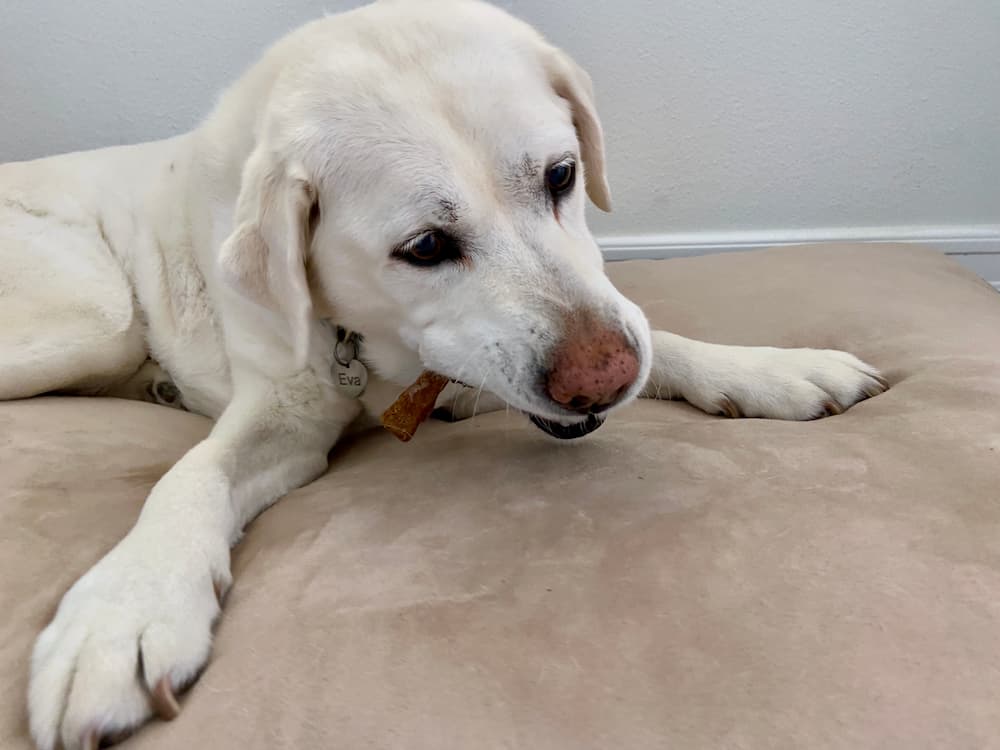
(414, 405)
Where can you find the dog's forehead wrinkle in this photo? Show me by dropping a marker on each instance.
(394, 137)
(521, 119)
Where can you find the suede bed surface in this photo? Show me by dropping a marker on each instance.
(674, 580)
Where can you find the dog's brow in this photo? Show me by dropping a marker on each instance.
(527, 168)
(444, 207)
(524, 169)
(520, 178)
(447, 210)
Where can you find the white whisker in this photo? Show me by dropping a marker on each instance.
(475, 406)
(460, 389)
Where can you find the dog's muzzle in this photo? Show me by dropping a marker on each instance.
(570, 431)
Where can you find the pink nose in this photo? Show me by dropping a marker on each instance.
(593, 367)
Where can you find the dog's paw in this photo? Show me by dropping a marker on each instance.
(129, 635)
(794, 384)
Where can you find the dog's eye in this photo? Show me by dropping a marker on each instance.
(428, 249)
(560, 177)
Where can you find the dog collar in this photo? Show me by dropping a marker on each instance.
(350, 375)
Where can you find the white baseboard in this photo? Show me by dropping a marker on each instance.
(977, 247)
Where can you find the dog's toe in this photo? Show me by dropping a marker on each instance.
(125, 638)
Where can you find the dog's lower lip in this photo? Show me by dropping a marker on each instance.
(567, 432)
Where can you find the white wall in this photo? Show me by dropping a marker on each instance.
(729, 122)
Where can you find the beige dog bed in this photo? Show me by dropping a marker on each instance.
(673, 581)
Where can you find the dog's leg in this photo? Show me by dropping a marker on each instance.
(137, 627)
(67, 317)
(150, 383)
(759, 381)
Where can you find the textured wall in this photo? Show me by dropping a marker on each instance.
(722, 116)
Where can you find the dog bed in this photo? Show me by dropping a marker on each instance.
(675, 580)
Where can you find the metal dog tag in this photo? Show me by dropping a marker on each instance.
(351, 379)
(349, 373)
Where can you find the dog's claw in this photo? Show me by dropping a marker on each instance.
(729, 409)
(164, 701)
(91, 740)
(832, 408)
(876, 388)
(221, 588)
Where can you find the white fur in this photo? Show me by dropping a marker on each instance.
(198, 252)
(759, 381)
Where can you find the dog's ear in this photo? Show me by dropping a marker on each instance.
(265, 257)
(573, 84)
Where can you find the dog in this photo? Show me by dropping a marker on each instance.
(389, 190)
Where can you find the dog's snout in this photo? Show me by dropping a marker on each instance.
(591, 369)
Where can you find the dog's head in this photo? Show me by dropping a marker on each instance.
(420, 175)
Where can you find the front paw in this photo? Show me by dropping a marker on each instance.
(793, 384)
(127, 636)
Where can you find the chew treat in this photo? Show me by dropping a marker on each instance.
(414, 405)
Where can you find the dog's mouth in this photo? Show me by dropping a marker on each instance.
(568, 431)
(551, 427)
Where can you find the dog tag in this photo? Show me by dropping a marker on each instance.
(350, 379)
(350, 375)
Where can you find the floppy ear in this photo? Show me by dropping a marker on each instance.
(264, 259)
(573, 84)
